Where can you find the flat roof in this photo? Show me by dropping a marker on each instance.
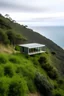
(32, 45)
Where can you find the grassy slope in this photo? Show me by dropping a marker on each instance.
(22, 68)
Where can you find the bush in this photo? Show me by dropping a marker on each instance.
(53, 53)
(47, 67)
(17, 48)
(15, 59)
(8, 71)
(31, 86)
(18, 87)
(53, 73)
(3, 59)
(42, 60)
(1, 71)
(58, 92)
(24, 71)
(60, 81)
(27, 56)
(35, 61)
(42, 85)
(4, 84)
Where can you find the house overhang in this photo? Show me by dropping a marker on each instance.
(32, 45)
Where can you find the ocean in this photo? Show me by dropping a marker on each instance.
(54, 33)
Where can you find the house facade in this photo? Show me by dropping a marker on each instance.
(32, 48)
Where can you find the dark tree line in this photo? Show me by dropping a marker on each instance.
(10, 37)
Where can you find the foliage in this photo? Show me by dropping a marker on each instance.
(51, 71)
(1, 71)
(14, 59)
(4, 85)
(21, 75)
(32, 36)
(22, 66)
(31, 86)
(11, 36)
(58, 92)
(3, 59)
(8, 70)
(42, 60)
(3, 37)
(42, 85)
(14, 38)
(17, 48)
(18, 87)
(53, 53)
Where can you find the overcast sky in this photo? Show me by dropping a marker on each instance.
(34, 12)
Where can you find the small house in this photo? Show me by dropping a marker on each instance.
(32, 48)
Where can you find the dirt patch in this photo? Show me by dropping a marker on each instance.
(34, 94)
(6, 49)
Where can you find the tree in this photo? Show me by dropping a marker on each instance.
(7, 15)
(3, 37)
(11, 36)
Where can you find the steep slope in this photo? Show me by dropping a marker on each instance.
(57, 60)
(22, 75)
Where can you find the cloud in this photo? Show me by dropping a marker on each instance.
(32, 5)
(33, 11)
(19, 7)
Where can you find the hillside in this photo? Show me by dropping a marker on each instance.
(23, 75)
(31, 36)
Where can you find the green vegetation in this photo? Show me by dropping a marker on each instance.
(22, 34)
(43, 85)
(51, 71)
(17, 48)
(22, 74)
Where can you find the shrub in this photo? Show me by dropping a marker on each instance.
(53, 53)
(15, 59)
(53, 73)
(58, 92)
(47, 67)
(3, 59)
(42, 60)
(17, 48)
(18, 87)
(2, 90)
(27, 56)
(8, 71)
(15, 89)
(4, 84)
(35, 61)
(1, 71)
(25, 72)
(60, 81)
(31, 86)
(42, 85)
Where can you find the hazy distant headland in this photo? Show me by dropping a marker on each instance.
(55, 33)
